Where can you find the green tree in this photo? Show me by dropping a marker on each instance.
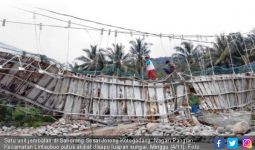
(93, 60)
(117, 57)
(186, 52)
(139, 48)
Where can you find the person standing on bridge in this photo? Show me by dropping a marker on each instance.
(150, 68)
(170, 67)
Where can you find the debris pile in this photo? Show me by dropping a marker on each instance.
(66, 127)
(62, 127)
(173, 129)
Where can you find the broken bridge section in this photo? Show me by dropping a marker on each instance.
(221, 92)
(46, 84)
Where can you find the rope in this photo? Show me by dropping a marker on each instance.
(68, 45)
(113, 26)
(39, 40)
(161, 44)
(108, 38)
(246, 51)
(36, 37)
(97, 29)
(93, 80)
(188, 65)
(230, 55)
(211, 61)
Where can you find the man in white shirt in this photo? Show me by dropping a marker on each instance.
(150, 68)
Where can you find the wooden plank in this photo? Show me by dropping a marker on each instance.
(249, 87)
(95, 96)
(253, 87)
(161, 104)
(69, 98)
(51, 86)
(122, 104)
(224, 89)
(112, 94)
(104, 104)
(245, 87)
(77, 100)
(238, 85)
(57, 90)
(180, 93)
(153, 109)
(43, 96)
(144, 94)
(204, 92)
(169, 94)
(207, 87)
(129, 94)
(218, 89)
(7, 79)
(87, 87)
(138, 104)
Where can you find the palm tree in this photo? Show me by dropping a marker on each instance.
(139, 48)
(118, 58)
(251, 46)
(186, 50)
(220, 51)
(239, 48)
(94, 59)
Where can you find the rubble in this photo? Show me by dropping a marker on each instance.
(173, 129)
(241, 127)
(58, 128)
(64, 127)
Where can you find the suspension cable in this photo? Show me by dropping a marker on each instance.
(112, 26)
(36, 36)
(68, 44)
(246, 51)
(230, 55)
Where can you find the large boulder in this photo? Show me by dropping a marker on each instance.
(241, 127)
(195, 120)
(152, 126)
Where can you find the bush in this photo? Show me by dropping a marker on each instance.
(22, 116)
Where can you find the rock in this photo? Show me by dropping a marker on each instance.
(56, 131)
(64, 130)
(49, 127)
(12, 128)
(5, 128)
(62, 121)
(152, 126)
(41, 130)
(220, 130)
(252, 134)
(241, 127)
(156, 133)
(229, 128)
(178, 129)
(75, 126)
(82, 127)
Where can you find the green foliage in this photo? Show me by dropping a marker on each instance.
(193, 100)
(22, 116)
(92, 60)
(199, 57)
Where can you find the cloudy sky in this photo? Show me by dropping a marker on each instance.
(198, 17)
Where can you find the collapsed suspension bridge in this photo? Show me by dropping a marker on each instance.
(108, 98)
(50, 86)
